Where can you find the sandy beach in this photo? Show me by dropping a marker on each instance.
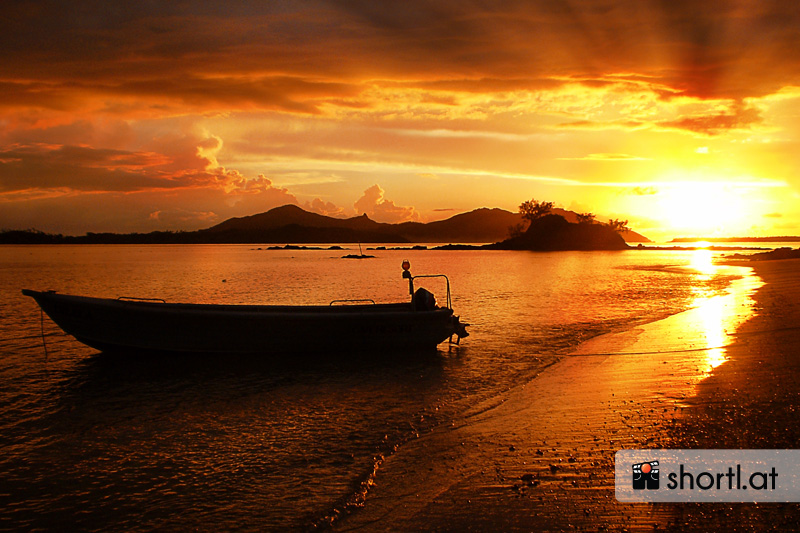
(541, 457)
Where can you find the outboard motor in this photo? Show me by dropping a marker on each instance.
(424, 300)
(459, 330)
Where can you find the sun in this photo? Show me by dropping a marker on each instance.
(703, 208)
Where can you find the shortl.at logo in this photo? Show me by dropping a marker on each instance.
(645, 476)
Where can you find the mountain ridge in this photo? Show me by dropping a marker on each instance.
(291, 224)
(482, 225)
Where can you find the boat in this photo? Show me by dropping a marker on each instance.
(138, 325)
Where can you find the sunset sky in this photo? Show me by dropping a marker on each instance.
(680, 116)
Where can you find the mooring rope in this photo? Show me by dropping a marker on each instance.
(41, 324)
(736, 341)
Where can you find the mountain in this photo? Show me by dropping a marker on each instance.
(287, 224)
(290, 224)
(293, 215)
(553, 232)
(480, 225)
(631, 236)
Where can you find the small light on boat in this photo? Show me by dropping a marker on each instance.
(406, 265)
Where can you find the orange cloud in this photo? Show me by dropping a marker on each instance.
(324, 208)
(605, 157)
(380, 209)
(80, 168)
(183, 187)
(293, 57)
(740, 117)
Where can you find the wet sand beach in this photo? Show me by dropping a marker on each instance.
(541, 457)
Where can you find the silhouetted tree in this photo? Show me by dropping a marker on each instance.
(585, 218)
(516, 230)
(533, 209)
(618, 225)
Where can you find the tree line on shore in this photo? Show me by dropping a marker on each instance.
(534, 209)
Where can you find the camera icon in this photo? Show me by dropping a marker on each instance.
(645, 476)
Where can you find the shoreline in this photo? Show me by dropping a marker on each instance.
(543, 458)
(754, 401)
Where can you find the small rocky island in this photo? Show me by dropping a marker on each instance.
(554, 233)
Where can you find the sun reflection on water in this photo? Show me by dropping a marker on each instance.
(712, 325)
(718, 317)
(702, 261)
(711, 312)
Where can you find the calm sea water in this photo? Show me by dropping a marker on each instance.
(97, 442)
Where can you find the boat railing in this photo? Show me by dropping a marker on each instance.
(352, 301)
(411, 285)
(137, 299)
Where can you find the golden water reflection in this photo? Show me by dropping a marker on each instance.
(702, 260)
(718, 317)
(713, 325)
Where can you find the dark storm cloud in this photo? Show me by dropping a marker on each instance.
(183, 165)
(706, 49)
(287, 54)
(79, 168)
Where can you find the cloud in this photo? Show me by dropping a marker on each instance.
(739, 117)
(629, 125)
(254, 195)
(774, 215)
(181, 218)
(184, 161)
(297, 57)
(45, 166)
(76, 212)
(182, 186)
(605, 157)
(706, 117)
(380, 209)
(644, 191)
(324, 208)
